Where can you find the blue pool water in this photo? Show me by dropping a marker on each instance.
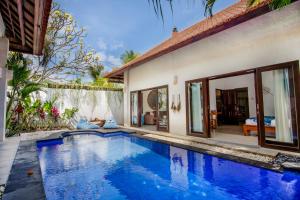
(126, 167)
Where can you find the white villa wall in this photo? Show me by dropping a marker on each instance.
(268, 39)
(91, 103)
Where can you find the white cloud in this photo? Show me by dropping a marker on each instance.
(111, 45)
(109, 59)
(117, 45)
(101, 44)
(115, 61)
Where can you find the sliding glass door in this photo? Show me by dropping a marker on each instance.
(162, 109)
(278, 93)
(197, 109)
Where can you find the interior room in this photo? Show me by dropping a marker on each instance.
(233, 108)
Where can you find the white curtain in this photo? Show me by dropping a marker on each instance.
(196, 107)
(134, 108)
(284, 132)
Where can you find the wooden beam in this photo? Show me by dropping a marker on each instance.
(36, 26)
(19, 48)
(21, 20)
(10, 18)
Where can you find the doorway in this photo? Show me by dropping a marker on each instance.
(149, 109)
(232, 106)
(222, 109)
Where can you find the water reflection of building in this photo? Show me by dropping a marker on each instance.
(179, 167)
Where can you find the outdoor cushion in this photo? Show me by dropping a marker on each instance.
(110, 124)
(84, 124)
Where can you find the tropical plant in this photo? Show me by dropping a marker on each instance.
(49, 104)
(21, 86)
(128, 56)
(29, 115)
(209, 4)
(68, 115)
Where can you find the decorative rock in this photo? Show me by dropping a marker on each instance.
(287, 161)
(291, 165)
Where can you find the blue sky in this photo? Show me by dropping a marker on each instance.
(114, 26)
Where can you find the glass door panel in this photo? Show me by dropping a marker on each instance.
(162, 109)
(134, 108)
(278, 120)
(197, 109)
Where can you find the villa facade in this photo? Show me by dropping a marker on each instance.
(234, 73)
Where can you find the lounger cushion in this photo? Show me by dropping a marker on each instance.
(84, 124)
(110, 124)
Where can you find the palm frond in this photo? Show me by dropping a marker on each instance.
(208, 7)
(28, 89)
(276, 4)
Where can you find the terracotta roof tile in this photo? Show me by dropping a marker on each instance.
(231, 16)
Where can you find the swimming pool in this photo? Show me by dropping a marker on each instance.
(122, 166)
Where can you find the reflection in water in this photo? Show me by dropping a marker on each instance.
(125, 167)
(178, 167)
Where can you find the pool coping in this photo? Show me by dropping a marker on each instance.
(20, 184)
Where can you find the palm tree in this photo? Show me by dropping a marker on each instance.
(128, 56)
(209, 4)
(97, 76)
(96, 72)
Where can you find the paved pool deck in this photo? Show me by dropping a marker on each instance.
(8, 150)
(223, 142)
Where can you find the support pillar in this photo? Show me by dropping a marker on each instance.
(4, 47)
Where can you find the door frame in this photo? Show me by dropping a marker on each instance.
(140, 107)
(206, 107)
(294, 69)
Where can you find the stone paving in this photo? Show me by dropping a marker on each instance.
(8, 150)
(25, 179)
